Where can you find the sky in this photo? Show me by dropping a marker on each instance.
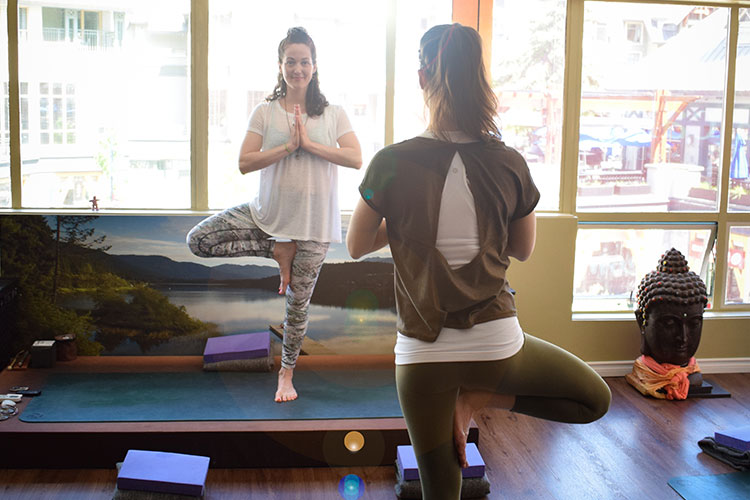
(165, 235)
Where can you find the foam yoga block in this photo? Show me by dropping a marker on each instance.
(406, 461)
(162, 472)
(241, 365)
(474, 485)
(739, 438)
(241, 352)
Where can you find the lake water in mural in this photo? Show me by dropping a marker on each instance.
(334, 330)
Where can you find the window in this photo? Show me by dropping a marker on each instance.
(652, 172)
(57, 113)
(23, 23)
(412, 20)
(108, 120)
(656, 160)
(738, 270)
(528, 61)
(650, 127)
(611, 261)
(634, 31)
(5, 191)
(739, 171)
(5, 123)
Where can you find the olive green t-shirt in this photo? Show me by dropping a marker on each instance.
(404, 183)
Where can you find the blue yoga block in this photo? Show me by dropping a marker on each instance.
(406, 461)
(163, 472)
(240, 346)
(738, 438)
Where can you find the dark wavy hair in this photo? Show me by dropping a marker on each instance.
(315, 101)
(457, 88)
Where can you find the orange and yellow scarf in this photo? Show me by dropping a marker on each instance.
(648, 377)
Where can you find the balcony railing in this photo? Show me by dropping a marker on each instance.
(91, 39)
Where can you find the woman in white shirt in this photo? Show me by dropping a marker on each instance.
(295, 139)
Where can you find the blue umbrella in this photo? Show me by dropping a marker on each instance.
(738, 168)
(635, 138)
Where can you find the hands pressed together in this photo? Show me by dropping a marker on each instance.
(299, 138)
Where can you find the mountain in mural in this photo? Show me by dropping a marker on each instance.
(364, 284)
(160, 269)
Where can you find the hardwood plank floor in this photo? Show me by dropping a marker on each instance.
(631, 453)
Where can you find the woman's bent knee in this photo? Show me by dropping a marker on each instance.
(599, 403)
(193, 242)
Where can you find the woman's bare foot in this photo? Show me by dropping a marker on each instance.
(285, 390)
(283, 253)
(467, 403)
(461, 421)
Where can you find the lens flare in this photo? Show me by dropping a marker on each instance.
(354, 441)
(351, 487)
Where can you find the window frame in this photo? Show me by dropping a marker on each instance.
(477, 14)
(571, 119)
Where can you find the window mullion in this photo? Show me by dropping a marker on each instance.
(390, 71)
(199, 99)
(722, 241)
(571, 104)
(15, 106)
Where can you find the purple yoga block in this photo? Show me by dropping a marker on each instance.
(407, 462)
(241, 346)
(163, 472)
(739, 438)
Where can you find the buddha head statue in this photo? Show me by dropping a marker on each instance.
(669, 312)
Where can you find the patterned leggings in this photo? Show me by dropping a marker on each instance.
(233, 233)
(548, 383)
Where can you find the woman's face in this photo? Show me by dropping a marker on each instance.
(297, 66)
(673, 332)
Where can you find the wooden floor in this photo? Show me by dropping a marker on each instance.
(631, 453)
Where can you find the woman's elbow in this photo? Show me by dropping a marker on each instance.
(355, 246)
(244, 166)
(354, 252)
(521, 254)
(355, 162)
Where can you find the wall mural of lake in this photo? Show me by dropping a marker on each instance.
(128, 285)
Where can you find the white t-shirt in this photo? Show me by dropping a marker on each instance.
(458, 241)
(298, 196)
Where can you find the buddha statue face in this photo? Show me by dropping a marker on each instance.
(670, 311)
(672, 332)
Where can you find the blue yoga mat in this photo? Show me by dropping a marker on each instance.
(732, 486)
(140, 397)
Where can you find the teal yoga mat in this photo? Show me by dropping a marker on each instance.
(140, 397)
(732, 486)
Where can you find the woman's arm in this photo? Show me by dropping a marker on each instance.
(252, 158)
(367, 231)
(348, 154)
(522, 237)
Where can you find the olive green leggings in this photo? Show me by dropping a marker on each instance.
(548, 383)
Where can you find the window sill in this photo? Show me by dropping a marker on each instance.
(629, 316)
(107, 211)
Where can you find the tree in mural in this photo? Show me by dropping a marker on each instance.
(71, 236)
(69, 260)
(27, 254)
(145, 317)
